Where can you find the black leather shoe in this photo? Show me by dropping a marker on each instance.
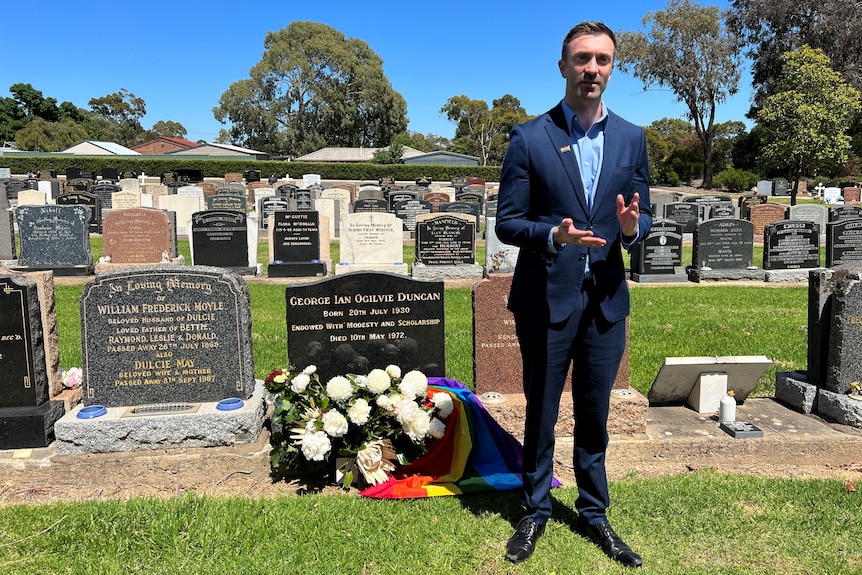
(522, 543)
(604, 536)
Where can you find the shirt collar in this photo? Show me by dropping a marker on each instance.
(570, 114)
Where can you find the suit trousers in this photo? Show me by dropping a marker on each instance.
(595, 348)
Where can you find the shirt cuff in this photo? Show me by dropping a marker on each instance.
(553, 247)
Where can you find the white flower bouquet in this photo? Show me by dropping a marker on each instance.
(376, 421)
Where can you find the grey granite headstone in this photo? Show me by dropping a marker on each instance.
(7, 236)
(54, 236)
(27, 415)
(809, 213)
(845, 339)
(357, 322)
(166, 334)
(268, 205)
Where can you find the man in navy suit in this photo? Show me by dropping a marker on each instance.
(574, 191)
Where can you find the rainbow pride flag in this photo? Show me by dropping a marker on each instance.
(475, 454)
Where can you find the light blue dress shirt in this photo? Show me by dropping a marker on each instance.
(589, 147)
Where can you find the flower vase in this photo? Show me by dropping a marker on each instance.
(856, 396)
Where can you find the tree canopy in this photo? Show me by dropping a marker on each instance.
(771, 28)
(312, 88)
(481, 130)
(688, 50)
(805, 120)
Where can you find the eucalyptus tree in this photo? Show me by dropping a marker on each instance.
(312, 88)
(688, 50)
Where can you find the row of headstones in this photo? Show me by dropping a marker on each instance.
(725, 244)
(692, 210)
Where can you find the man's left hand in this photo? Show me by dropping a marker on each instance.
(628, 215)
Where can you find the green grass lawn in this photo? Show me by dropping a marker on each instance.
(698, 523)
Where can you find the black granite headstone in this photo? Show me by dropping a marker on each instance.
(844, 243)
(105, 193)
(227, 202)
(686, 213)
(723, 244)
(371, 205)
(220, 238)
(838, 213)
(661, 250)
(92, 201)
(357, 322)
(408, 210)
(445, 240)
(55, 237)
(400, 196)
(295, 238)
(791, 245)
(268, 206)
(304, 200)
(27, 415)
(165, 335)
(462, 207)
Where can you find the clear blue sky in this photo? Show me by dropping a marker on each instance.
(181, 56)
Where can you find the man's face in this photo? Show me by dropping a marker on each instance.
(587, 68)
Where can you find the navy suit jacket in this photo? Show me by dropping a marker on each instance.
(540, 185)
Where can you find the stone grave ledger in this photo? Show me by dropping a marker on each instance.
(844, 243)
(661, 250)
(220, 238)
(157, 335)
(791, 245)
(138, 236)
(54, 237)
(723, 244)
(357, 322)
(27, 415)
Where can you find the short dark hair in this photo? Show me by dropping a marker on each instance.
(587, 28)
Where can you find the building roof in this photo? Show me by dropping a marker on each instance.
(177, 141)
(216, 149)
(443, 157)
(350, 154)
(93, 148)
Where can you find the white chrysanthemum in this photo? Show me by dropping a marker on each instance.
(383, 402)
(376, 460)
(414, 384)
(443, 403)
(334, 424)
(378, 381)
(300, 382)
(394, 371)
(339, 388)
(309, 369)
(437, 428)
(359, 412)
(315, 446)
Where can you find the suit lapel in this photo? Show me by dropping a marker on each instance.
(562, 144)
(609, 158)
